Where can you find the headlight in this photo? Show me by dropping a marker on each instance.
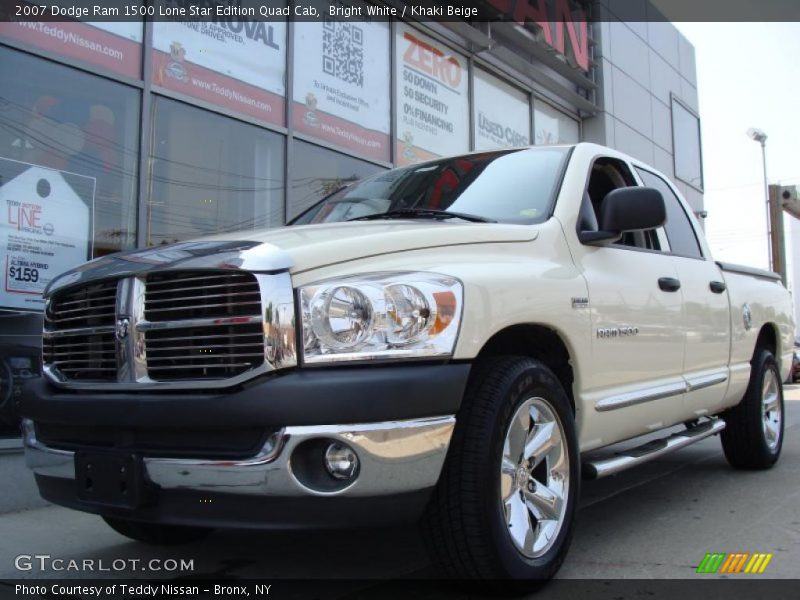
(382, 315)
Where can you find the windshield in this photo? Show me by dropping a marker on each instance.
(512, 186)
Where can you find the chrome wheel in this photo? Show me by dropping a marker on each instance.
(771, 409)
(534, 477)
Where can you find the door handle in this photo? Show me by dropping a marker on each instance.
(717, 287)
(669, 284)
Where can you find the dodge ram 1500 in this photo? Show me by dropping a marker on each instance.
(457, 342)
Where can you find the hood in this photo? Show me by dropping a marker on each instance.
(297, 248)
(314, 246)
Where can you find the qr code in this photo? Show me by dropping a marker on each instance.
(343, 51)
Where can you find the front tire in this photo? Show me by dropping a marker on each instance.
(753, 434)
(157, 534)
(505, 502)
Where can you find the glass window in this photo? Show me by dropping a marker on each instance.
(69, 146)
(233, 62)
(681, 236)
(211, 174)
(341, 84)
(501, 114)
(686, 139)
(317, 172)
(116, 46)
(507, 186)
(552, 126)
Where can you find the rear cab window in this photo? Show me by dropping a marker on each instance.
(680, 233)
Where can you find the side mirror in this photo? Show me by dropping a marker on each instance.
(627, 209)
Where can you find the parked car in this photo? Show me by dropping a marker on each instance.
(443, 342)
(796, 361)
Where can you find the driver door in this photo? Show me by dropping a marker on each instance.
(635, 384)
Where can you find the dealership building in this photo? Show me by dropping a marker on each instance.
(120, 135)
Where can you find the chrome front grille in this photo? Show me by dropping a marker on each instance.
(213, 325)
(82, 357)
(197, 296)
(90, 306)
(190, 329)
(79, 333)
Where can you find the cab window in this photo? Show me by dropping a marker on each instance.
(682, 239)
(607, 175)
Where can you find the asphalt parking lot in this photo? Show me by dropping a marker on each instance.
(656, 521)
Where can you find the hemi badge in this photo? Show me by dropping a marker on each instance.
(580, 302)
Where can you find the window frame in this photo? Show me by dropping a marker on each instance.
(673, 101)
(315, 144)
(127, 174)
(479, 68)
(153, 160)
(681, 203)
(538, 99)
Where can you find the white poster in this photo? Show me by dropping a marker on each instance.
(432, 98)
(552, 126)
(251, 51)
(235, 62)
(45, 229)
(341, 83)
(501, 113)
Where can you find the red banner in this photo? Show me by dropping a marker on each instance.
(81, 42)
(341, 132)
(216, 88)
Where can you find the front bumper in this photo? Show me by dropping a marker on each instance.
(394, 457)
(400, 456)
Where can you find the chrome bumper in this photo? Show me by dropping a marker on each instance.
(395, 456)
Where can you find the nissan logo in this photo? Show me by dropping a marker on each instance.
(122, 329)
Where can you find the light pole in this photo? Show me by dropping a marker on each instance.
(759, 136)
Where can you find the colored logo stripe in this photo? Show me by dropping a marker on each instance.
(720, 562)
(734, 563)
(758, 564)
(711, 563)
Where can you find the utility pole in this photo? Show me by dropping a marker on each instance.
(759, 136)
(776, 237)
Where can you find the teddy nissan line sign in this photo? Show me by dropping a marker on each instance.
(563, 28)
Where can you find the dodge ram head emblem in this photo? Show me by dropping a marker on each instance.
(122, 329)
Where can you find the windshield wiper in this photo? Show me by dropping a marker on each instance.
(424, 213)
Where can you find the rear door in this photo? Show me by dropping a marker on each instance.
(706, 310)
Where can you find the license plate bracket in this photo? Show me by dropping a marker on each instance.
(110, 478)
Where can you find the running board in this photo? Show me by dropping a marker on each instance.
(635, 456)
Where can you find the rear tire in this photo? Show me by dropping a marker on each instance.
(513, 461)
(753, 434)
(157, 534)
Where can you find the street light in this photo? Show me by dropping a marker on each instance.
(759, 136)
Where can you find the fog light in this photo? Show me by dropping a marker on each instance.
(341, 461)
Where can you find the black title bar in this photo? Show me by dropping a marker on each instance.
(408, 10)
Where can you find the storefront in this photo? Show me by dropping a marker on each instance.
(122, 135)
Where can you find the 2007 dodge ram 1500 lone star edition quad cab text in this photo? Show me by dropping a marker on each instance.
(457, 343)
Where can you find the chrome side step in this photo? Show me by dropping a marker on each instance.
(635, 456)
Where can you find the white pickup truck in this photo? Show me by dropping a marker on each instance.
(458, 343)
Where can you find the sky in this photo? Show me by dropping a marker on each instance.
(748, 75)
